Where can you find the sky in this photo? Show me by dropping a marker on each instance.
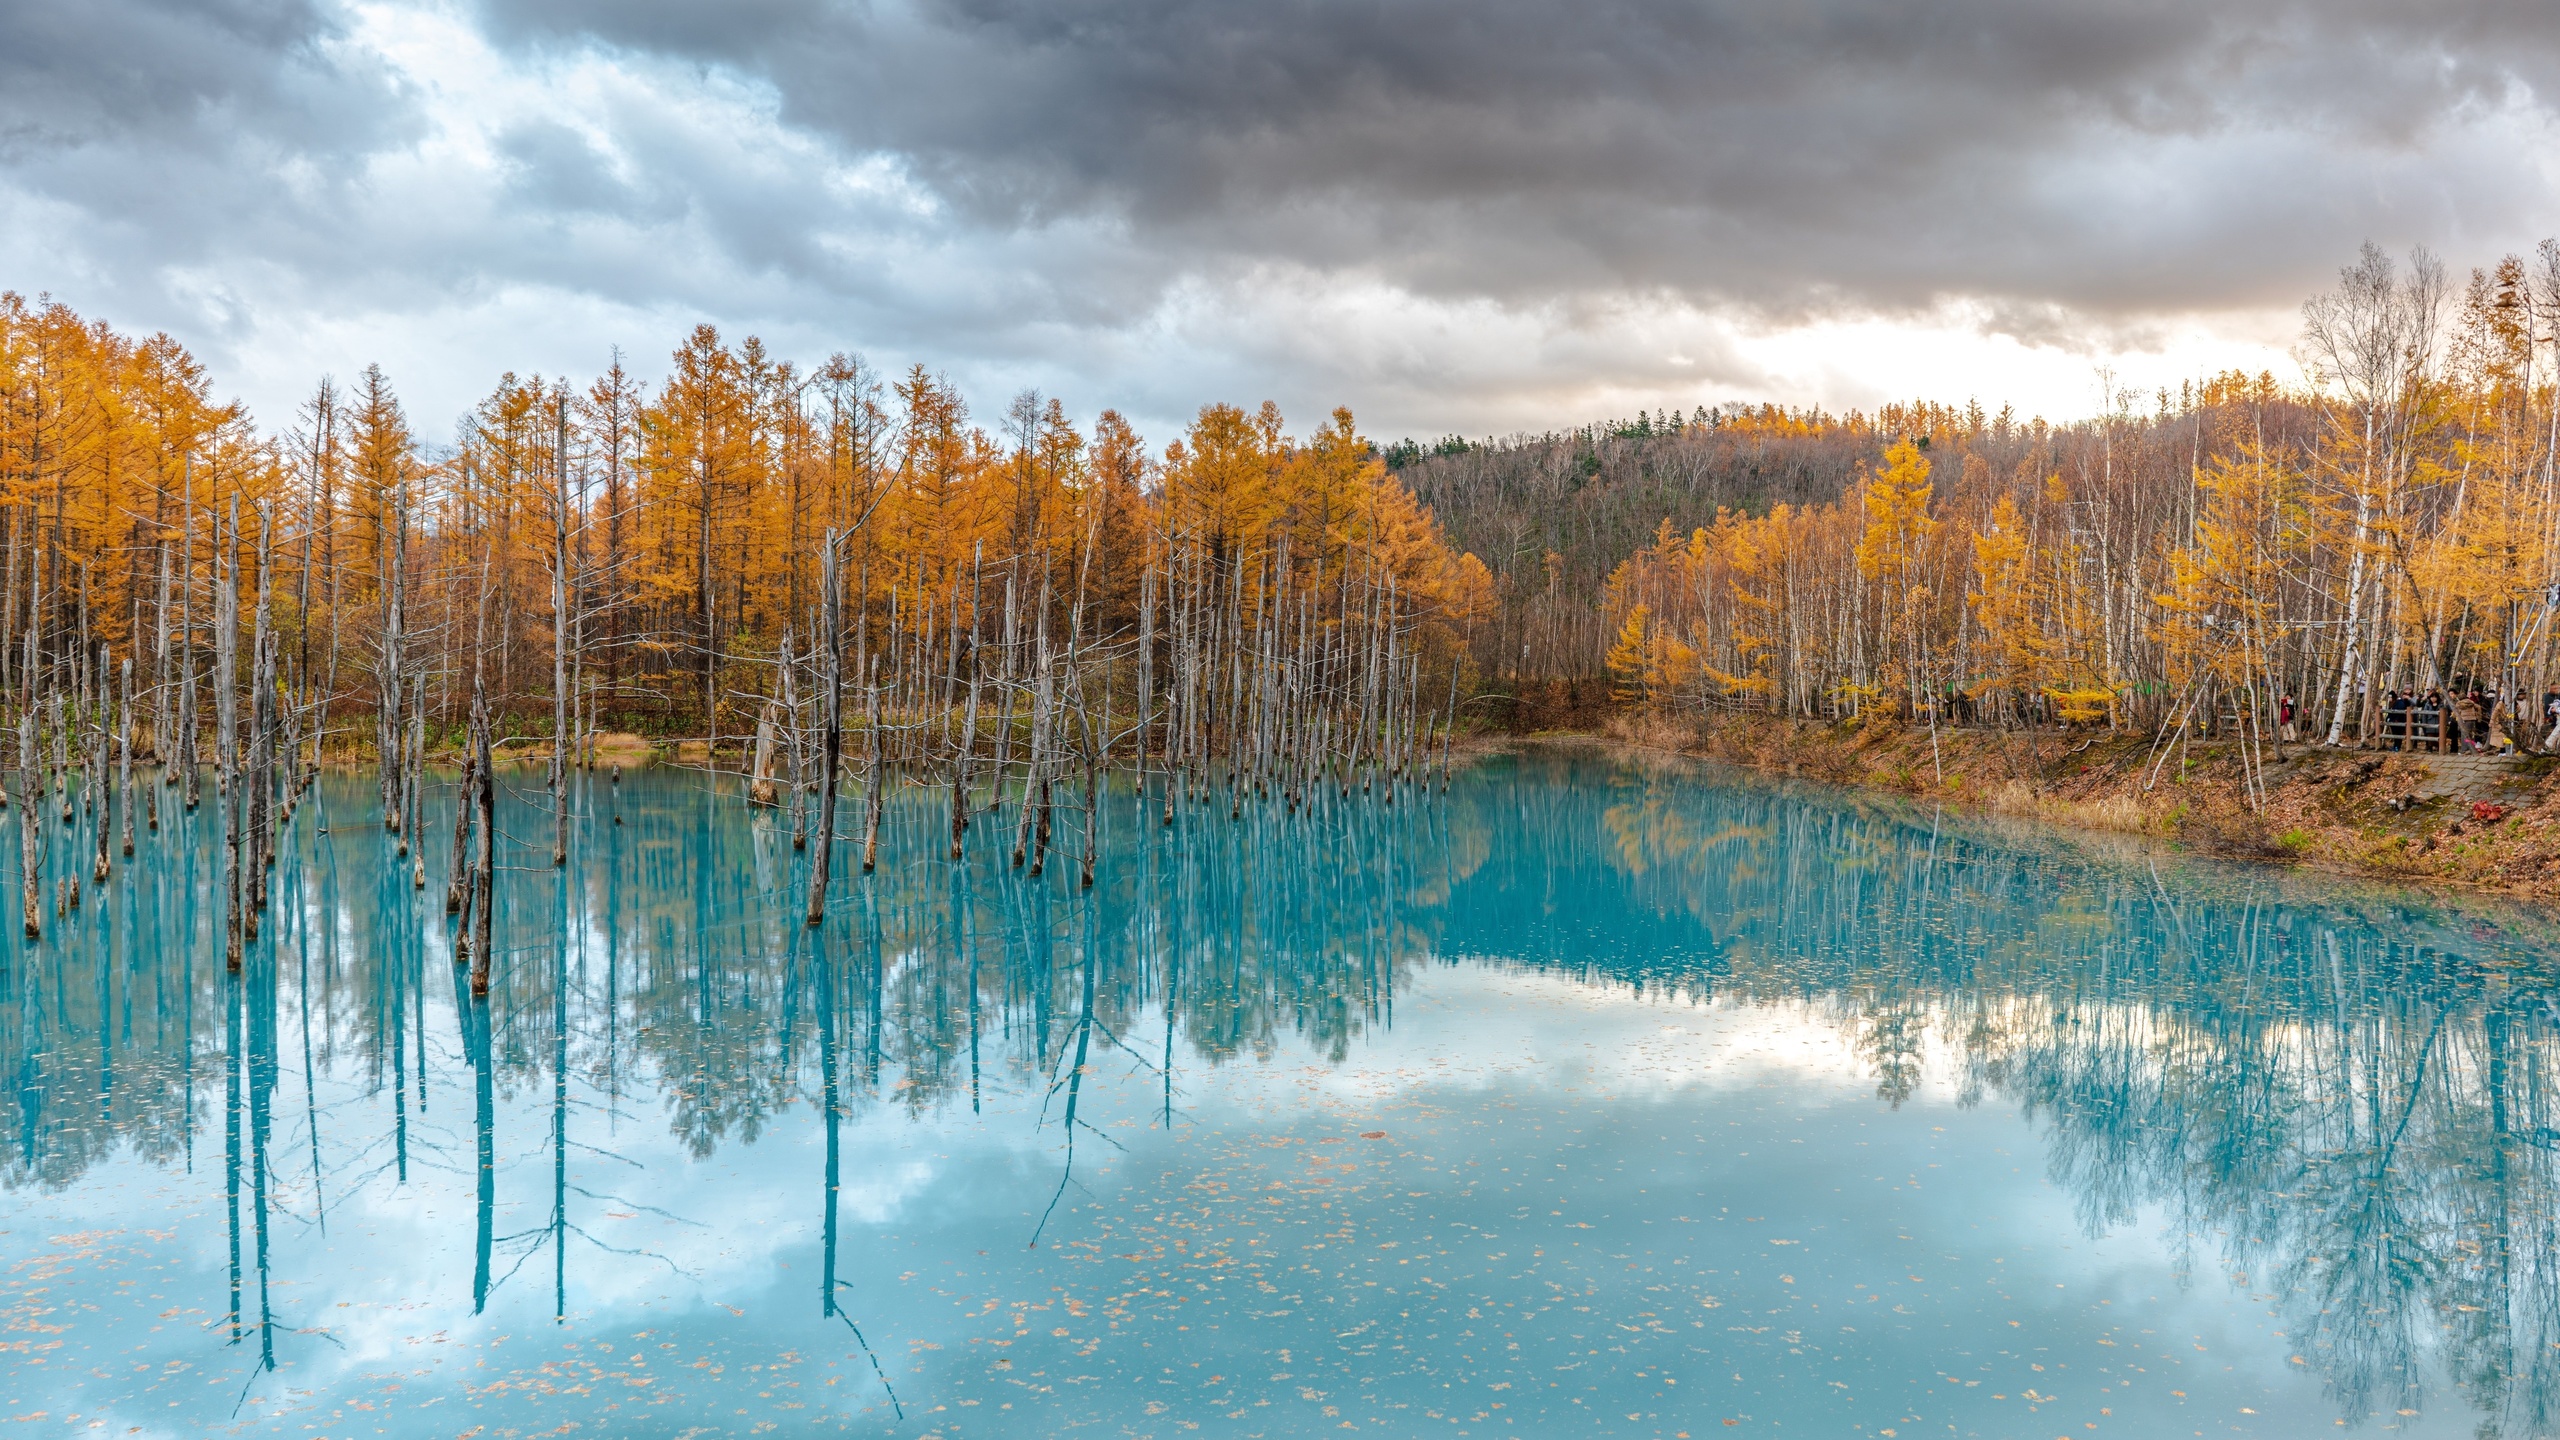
(1469, 216)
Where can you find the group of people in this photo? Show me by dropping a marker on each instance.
(2466, 720)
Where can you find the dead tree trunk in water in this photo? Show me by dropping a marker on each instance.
(262, 728)
(484, 869)
(162, 749)
(791, 733)
(960, 759)
(226, 668)
(456, 890)
(101, 788)
(30, 821)
(227, 735)
(392, 655)
(187, 756)
(253, 799)
(61, 757)
(124, 756)
(831, 713)
(1005, 682)
(871, 782)
(560, 623)
(1092, 795)
(1044, 726)
(760, 787)
(417, 763)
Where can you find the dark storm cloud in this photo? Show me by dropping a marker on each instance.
(1477, 213)
(553, 167)
(1789, 156)
(142, 137)
(186, 74)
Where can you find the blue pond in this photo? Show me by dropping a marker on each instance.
(1601, 1095)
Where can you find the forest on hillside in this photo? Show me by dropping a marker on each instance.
(2387, 525)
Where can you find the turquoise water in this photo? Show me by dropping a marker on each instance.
(1600, 1096)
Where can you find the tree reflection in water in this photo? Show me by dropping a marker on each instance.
(2339, 1098)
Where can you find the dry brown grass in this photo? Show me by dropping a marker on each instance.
(2341, 810)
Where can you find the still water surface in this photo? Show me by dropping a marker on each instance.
(1599, 1096)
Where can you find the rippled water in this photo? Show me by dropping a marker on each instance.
(1598, 1096)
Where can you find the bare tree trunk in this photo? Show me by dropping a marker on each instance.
(227, 659)
(30, 820)
(227, 735)
(162, 749)
(484, 871)
(2355, 599)
(1033, 781)
(251, 796)
(831, 702)
(760, 786)
(262, 711)
(1146, 672)
(968, 742)
(62, 723)
(187, 717)
(124, 756)
(457, 890)
(560, 623)
(394, 657)
(871, 785)
(1004, 730)
(411, 772)
(710, 637)
(1092, 803)
(791, 741)
(103, 805)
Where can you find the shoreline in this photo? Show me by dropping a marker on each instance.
(2480, 824)
(2476, 823)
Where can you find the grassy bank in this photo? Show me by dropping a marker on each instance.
(2475, 821)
